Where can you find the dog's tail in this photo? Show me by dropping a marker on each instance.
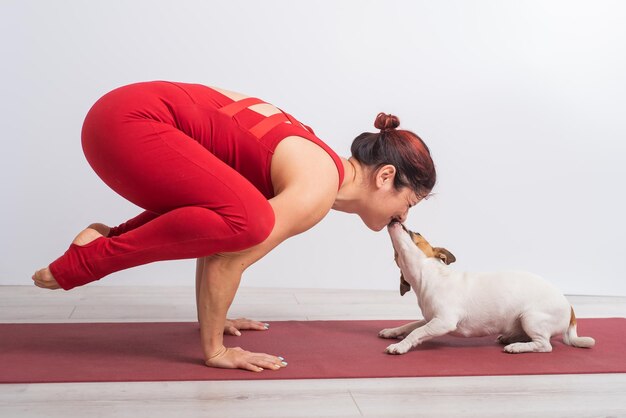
(570, 337)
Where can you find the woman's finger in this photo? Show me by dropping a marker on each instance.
(266, 362)
(269, 364)
(252, 367)
(245, 323)
(264, 359)
(233, 331)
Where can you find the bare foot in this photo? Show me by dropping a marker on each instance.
(101, 228)
(43, 278)
(87, 235)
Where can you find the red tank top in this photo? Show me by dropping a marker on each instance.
(242, 138)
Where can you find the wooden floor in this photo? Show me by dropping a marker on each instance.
(602, 395)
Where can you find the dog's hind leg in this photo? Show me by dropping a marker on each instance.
(536, 327)
(538, 345)
(513, 335)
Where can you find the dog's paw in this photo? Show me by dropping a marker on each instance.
(391, 333)
(516, 348)
(530, 347)
(398, 348)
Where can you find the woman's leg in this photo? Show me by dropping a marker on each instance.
(130, 224)
(199, 276)
(203, 205)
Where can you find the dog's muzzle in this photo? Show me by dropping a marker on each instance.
(394, 222)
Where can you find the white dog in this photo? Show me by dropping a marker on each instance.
(525, 310)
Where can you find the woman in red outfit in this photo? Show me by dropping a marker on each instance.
(224, 178)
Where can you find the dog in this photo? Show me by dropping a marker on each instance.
(522, 308)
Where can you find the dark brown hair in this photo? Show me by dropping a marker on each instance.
(403, 149)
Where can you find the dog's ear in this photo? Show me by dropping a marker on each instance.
(444, 255)
(404, 286)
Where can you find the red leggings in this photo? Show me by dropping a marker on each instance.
(195, 204)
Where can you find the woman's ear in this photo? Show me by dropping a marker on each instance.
(385, 175)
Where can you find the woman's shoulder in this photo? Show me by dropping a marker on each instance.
(299, 162)
(305, 180)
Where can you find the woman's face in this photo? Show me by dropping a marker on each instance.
(386, 203)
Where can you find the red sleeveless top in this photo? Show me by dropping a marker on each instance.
(242, 138)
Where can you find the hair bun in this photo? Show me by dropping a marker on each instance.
(386, 122)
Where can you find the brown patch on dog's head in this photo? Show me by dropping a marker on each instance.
(444, 255)
(437, 252)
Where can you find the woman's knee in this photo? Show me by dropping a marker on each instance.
(259, 223)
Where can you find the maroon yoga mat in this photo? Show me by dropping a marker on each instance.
(103, 352)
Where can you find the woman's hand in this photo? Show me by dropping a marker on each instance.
(237, 358)
(233, 326)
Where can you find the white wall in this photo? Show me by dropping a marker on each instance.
(523, 104)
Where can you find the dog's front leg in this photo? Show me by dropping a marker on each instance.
(402, 331)
(434, 328)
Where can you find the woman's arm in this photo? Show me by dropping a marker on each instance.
(305, 184)
(233, 326)
(296, 209)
